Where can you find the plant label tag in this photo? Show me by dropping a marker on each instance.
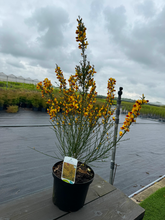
(69, 170)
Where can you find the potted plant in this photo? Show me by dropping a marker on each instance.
(12, 97)
(22, 99)
(29, 98)
(35, 102)
(35, 105)
(1, 104)
(83, 129)
(44, 105)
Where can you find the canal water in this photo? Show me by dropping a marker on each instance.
(23, 171)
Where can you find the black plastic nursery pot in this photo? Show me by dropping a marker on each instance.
(35, 109)
(43, 109)
(69, 197)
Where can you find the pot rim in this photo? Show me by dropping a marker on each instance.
(74, 183)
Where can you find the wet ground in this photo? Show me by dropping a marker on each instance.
(23, 171)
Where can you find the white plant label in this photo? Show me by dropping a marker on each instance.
(69, 170)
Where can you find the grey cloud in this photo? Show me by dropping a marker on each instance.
(115, 19)
(42, 63)
(141, 52)
(51, 23)
(146, 8)
(15, 43)
(154, 30)
(66, 60)
(133, 80)
(96, 9)
(147, 41)
(10, 42)
(16, 64)
(122, 45)
(51, 39)
(144, 42)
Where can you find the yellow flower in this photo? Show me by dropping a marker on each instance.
(85, 113)
(120, 133)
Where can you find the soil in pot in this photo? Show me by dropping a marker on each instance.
(83, 173)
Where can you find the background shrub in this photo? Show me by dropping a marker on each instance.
(12, 109)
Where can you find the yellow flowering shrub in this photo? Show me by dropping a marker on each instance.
(82, 129)
(130, 117)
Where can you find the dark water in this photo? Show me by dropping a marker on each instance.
(23, 171)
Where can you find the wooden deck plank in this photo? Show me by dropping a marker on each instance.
(103, 201)
(36, 206)
(98, 187)
(114, 205)
(101, 186)
(29, 206)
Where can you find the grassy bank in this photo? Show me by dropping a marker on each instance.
(147, 110)
(154, 206)
(26, 95)
(23, 94)
(17, 85)
(21, 98)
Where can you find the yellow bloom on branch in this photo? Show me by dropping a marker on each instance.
(130, 118)
(120, 133)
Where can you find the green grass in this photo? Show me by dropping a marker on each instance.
(154, 206)
(103, 100)
(17, 85)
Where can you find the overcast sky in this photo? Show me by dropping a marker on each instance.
(126, 41)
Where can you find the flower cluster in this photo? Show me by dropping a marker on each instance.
(46, 87)
(60, 77)
(111, 90)
(130, 117)
(81, 35)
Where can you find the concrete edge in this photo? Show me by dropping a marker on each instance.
(139, 197)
